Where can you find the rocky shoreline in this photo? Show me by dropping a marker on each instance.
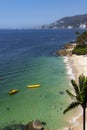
(67, 51)
(33, 125)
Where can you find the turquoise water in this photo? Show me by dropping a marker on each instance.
(45, 103)
(26, 57)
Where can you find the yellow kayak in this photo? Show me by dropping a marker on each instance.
(13, 91)
(33, 86)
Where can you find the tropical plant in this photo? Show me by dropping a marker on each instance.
(82, 39)
(79, 96)
(79, 50)
(81, 44)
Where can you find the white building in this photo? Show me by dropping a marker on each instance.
(82, 26)
(70, 27)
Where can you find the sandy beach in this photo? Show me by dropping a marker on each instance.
(76, 65)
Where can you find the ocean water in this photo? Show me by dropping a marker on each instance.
(27, 57)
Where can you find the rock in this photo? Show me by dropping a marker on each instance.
(61, 92)
(64, 52)
(37, 125)
(70, 45)
(29, 126)
(34, 125)
(67, 51)
(14, 127)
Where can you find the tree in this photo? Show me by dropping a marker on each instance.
(81, 44)
(79, 96)
(82, 39)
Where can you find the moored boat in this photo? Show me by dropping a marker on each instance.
(13, 91)
(33, 86)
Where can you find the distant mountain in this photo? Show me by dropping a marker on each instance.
(77, 21)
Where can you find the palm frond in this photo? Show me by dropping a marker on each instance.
(82, 81)
(71, 106)
(80, 97)
(83, 85)
(70, 94)
(75, 86)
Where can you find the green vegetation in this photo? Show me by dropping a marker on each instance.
(80, 96)
(80, 50)
(81, 47)
(82, 39)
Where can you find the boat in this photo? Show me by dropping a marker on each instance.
(33, 86)
(13, 91)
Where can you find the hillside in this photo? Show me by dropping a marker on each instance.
(77, 21)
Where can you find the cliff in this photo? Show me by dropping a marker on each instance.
(67, 51)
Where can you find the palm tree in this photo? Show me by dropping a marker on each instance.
(79, 96)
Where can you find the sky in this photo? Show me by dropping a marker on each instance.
(29, 13)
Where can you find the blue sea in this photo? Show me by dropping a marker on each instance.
(26, 58)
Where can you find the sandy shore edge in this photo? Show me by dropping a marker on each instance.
(76, 65)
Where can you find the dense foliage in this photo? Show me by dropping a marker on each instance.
(82, 39)
(81, 47)
(80, 50)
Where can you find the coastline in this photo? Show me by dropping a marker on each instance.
(76, 65)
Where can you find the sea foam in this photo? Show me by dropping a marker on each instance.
(69, 68)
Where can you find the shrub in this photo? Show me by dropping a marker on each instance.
(79, 50)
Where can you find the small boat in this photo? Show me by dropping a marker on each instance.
(33, 86)
(13, 91)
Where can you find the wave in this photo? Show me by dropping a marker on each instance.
(69, 68)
